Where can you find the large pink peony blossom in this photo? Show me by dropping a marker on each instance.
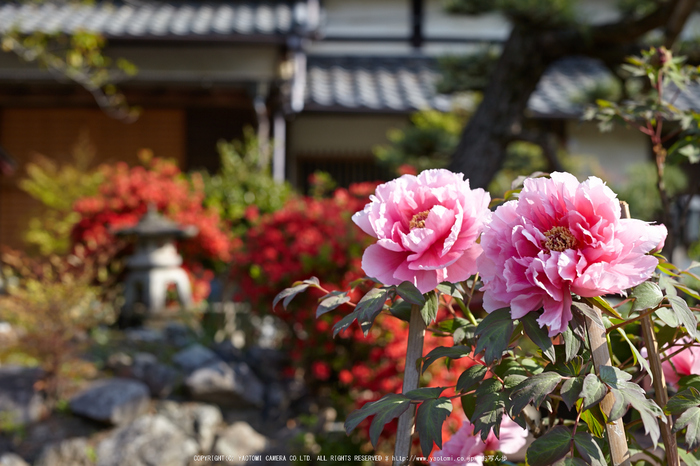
(562, 237)
(426, 227)
(464, 448)
(686, 362)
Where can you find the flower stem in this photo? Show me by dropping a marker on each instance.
(414, 351)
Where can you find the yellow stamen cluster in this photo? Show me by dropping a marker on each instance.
(418, 220)
(559, 239)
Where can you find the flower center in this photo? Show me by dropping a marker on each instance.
(418, 220)
(559, 239)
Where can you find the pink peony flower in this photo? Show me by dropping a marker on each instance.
(562, 237)
(686, 362)
(426, 227)
(464, 448)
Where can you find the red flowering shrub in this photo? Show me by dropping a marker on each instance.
(315, 237)
(124, 198)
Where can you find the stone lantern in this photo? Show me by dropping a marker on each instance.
(155, 263)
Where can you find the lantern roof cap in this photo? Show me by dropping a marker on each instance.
(154, 224)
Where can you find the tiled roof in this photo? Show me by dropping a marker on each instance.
(155, 19)
(408, 84)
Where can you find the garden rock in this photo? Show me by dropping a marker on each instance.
(227, 352)
(198, 420)
(226, 385)
(144, 335)
(194, 357)
(239, 440)
(116, 401)
(160, 379)
(18, 398)
(149, 440)
(11, 459)
(266, 362)
(178, 334)
(73, 452)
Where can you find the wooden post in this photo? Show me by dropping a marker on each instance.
(414, 351)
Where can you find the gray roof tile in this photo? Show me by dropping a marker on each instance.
(153, 18)
(406, 84)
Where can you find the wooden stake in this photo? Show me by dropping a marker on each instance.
(414, 351)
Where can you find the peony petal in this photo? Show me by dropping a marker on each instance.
(382, 263)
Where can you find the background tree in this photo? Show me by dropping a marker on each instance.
(543, 32)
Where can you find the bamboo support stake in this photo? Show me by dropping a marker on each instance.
(601, 357)
(414, 351)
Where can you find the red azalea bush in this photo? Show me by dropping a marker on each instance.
(316, 237)
(124, 198)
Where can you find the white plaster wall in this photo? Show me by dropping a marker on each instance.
(367, 18)
(615, 150)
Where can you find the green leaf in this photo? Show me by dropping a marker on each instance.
(365, 312)
(391, 409)
(594, 420)
(638, 358)
(331, 301)
(691, 421)
(589, 449)
(570, 462)
(489, 408)
(571, 344)
(471, 377)
(689, 381)
(468, 405)
(666, 283)
(424, 393)
(689, 458)
(451, 289)
(550, 448)
(684, 314)
(538, 335)
(588, 311)
(681, 401)
(429, 419)
(667, 316)
(401, 310)
(370, 409)
(430, 308)
(289, 293)
(571, 390)
(647, 295)
(462, 330)
(534, 389)
(619, 406)
(592, 391)
(410, 293)
(452, 352)
(494, 333)
(633, 394)
(604, 306)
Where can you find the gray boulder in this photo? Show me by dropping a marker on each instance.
(116, 401)
(160, 379)
(11, 459)
(73, 452)
(232, 385)
(239, 440)
(19, 401)
(198, 420)
(148, 441)
(194, 357)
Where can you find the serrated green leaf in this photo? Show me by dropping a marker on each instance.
(690, 420)
(684, 314)
(571, 390)
(592, 391)
(410, 293)
(453, 352)
(534, 389)
(429, 419)
(331, 301)
(550, 448)
(683, 400)
(538, 335)
(391, 409)
(429, 310)
(589, 449)
(489, 408)
(424, 393)
(471, 377)
(494, 333)
(571, 344)
(647, 295)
